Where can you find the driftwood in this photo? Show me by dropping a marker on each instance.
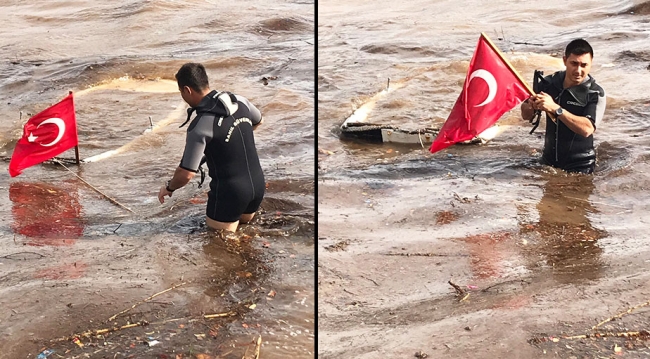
(91, 333)
(460, 292)
(255, 354)
(144, 301)
(219, 315)
(620, 314)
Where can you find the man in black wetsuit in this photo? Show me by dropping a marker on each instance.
(222, 133)
(574, 103)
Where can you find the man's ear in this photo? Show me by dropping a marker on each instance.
(187, 90)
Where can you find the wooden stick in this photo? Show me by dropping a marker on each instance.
(609, 334)
(620, 314)
(420, 254)
(89, 333)
(143, 301)
(219, 315)
(512, 69)
(459, 291)
(256, 352)
(93, 187)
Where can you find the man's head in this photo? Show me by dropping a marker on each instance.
(192, 83)
(577, 59)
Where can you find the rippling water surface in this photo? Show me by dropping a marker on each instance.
(424, 48)
(119, 58)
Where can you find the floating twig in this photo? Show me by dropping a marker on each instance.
(370, 279)
(144, 301)
(9, 256)
(620, 314)
(256, 352)
(526, 43)
(90, 333)
(219, 315)
(93, 187)
(642, 333)
(459, 291)
(420, 254)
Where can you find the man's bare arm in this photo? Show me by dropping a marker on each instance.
(180, 179)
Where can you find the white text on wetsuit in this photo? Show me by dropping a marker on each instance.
(235, 124)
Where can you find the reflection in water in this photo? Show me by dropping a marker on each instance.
(488, 254)
(566, 239)
(64, 271)
(46, 214)
(237, 267)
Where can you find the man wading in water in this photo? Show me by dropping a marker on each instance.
(577, 103)
(222, 135)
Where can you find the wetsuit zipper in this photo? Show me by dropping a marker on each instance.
(557, 129)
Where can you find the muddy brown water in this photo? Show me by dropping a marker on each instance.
(70, 259)
(541, 254)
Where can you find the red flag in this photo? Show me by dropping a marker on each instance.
(47, 134)
(491, 89)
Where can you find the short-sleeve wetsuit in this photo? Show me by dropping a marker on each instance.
(223, 131)
(564, 148)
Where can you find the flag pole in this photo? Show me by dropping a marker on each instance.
(76, 148)
(512, 69)
(76, 154)
(93, 187)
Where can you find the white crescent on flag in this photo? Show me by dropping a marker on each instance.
(60, 126)
(491, 82)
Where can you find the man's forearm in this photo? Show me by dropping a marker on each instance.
(181, 178)
(578, 124)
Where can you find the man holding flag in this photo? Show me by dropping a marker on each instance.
(45, 135)
(571, 99)
(577, 103)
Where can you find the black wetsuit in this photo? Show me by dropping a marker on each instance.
(564, 148)
(223, 131)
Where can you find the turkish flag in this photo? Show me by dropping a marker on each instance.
(491, 89)
(47, 134)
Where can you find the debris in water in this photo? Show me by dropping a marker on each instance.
(45, 353)
(421, 355)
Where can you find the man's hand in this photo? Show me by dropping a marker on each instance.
(163, 192)
(180, 179)
(543, 101)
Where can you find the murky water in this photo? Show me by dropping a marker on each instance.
(513, 217)
(428, 55)
(119, 59)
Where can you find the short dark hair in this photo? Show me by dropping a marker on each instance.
(578, 47)
(193, 75)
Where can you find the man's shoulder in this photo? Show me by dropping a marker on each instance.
(554, 81)
(202, 122)
(594, 87)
